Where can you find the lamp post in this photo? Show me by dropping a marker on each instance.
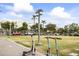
(38, 14)
(10, 28)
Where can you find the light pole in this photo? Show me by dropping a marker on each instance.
(10, 28)
(38, 14)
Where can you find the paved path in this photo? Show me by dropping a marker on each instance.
(10, 48)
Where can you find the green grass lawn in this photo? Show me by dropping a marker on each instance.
(67, 45)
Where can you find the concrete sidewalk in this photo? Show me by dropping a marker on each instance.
(10, 48)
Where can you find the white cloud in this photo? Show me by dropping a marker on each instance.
(61, 17)
(16, 15)
(23, 5)
(59, 12)
(20, 5)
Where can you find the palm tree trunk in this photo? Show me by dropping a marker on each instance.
(38, 29)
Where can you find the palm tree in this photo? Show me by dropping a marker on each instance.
(38, 14)
(34, 16)
(43, 21)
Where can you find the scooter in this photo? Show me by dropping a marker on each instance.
(56, 44)
(33, 49)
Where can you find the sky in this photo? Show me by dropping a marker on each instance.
(60, 14)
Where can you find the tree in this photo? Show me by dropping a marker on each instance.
(43, 22)
(60, 31)
(23, 28)
(35, 27)
(66, 28)
(34, 16)
(12, 26)
(71, 28)
(38, 14)
(51, 27)
(8, 26)
(5, 25)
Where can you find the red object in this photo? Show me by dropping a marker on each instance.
(16, 33)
